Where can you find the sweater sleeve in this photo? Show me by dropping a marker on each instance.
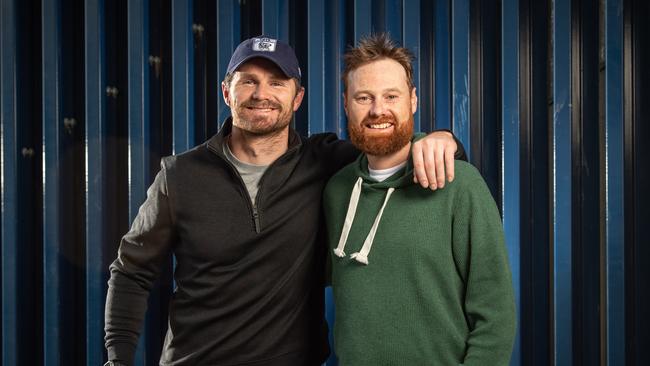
(141, 257)
(489, 297)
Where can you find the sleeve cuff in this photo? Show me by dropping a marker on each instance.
(123, 352)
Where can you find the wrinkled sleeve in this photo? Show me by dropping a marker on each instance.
(489, 295)
(332, 152)
(141, 257)
(336, 153)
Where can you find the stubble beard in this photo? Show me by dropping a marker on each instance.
(381, 145)
(262, 125)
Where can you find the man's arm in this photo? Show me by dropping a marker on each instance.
(435, 154)
(141, 257)
(432, 155)
(480, 253)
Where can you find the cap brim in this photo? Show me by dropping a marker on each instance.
(247, 58)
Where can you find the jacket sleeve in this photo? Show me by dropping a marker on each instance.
(141, 257)
(332, 152)
(482, 258)
(337, 153)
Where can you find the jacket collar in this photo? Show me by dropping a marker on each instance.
(215, 143)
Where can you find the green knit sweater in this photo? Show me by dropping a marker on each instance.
(437, 288)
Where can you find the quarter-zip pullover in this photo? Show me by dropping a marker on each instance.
(249, 279)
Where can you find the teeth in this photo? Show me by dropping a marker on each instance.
(380, 126)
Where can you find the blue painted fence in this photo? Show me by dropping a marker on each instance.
(508, 82)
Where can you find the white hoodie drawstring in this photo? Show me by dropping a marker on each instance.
(362, 255)
(349, 218)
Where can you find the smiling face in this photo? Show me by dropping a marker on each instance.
(261, 98)
(379, 105)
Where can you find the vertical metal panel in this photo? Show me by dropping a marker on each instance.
(335, 120)
(561, 165)
(9, 182)
(411, 40)
(330, 314)
(362, 18)
(205, 72)
(426, 66)
(138, 81)
(53, 332)
(96, 137)
(511, 151)
(485, 91)
(534, 182)
(637, 180)
(442, 60)
(182, 75)
(341, 44)
(586, 184)
(228, 37)
(275, 19)
(334, 41)
(316, 57)
(614, 194)
(460, 71)
(139, 146)
(393, 18)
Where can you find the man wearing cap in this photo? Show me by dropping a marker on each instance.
(242, 215)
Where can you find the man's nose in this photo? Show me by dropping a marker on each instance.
(377, 108)
(262, 92)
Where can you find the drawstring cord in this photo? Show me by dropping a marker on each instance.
(362, 255)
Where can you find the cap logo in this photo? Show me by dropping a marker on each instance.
(264, 44)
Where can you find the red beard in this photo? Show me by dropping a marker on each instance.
(381, 145)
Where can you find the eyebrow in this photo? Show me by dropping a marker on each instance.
(389, 90)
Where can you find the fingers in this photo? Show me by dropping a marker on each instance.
(419, 172)
(440, 166)
(433, 160)
(449, 164)
(424, 165)
(429, 154)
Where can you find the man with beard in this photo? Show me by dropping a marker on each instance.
(436, 288)
(242, 215)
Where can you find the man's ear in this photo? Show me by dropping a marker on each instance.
(345, 102)
(298, 99)
(414, 101)
(226, 93)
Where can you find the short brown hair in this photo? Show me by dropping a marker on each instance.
(374, 48)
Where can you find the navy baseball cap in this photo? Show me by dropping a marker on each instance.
(274, 50)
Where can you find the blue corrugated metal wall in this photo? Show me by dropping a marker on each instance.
(547, 96)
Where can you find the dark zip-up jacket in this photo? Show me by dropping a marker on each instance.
(249, 282)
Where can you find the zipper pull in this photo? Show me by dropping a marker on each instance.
(256, 218)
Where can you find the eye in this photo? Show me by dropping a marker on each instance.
(392, 98)
(277, 83)
(363, 99)
(247, 82)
